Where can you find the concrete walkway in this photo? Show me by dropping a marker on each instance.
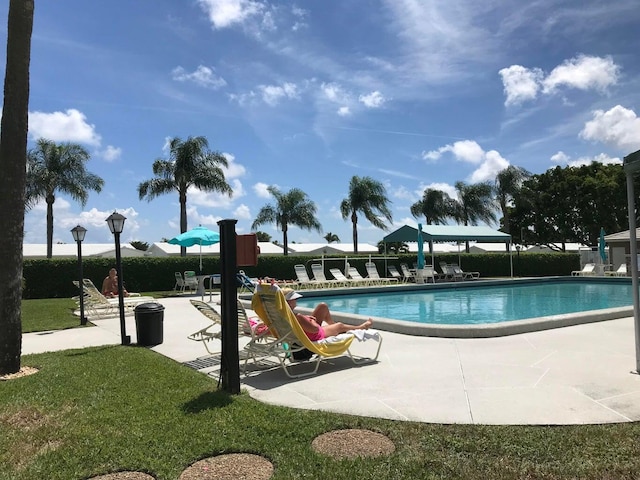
(572, 375)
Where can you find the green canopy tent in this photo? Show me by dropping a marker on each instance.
(451, 233)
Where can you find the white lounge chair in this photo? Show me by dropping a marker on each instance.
(587, 270)
(393, 271)
(407, 274)
(317, 270)
(374, 276)
(354, 274)
(340, 277)
(620, 272)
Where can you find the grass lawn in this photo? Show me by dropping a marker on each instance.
(99, 410)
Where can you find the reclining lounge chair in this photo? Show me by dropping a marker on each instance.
(270, 305)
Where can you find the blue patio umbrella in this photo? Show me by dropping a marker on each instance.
(601, 246)
(196, 236)
(420, 248)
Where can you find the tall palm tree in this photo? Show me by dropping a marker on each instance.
(53, 168)
(291, 208)
(190, 163)
(474, 204)
(436, 206)
(13, 160)
(331, 237)
(368, 196)
(507, 185)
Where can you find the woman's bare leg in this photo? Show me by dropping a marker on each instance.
(322, 314)
(339, 327)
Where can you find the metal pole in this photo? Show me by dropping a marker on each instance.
(125, 339)
(230, 365)
(83, 319)
(634, 263)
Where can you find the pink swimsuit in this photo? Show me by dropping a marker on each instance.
(314, 337)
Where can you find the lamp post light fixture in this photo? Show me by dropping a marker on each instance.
(116, 225)
(78, 233)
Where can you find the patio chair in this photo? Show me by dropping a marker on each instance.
(214, 331)
(97, 306)
(318, 275)
(621, 271)
(465, 275)
(179, 282)
(374, 276)
(270, 305)
(303, 277)
(190, 280)
(393, 271)
(354, 274)
(589, 269)
(450, 273)
(424, 274)
(340, 277)
(247, 284)
(406, 273)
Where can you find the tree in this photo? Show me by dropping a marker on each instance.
(392, 247)
(291, 208)
(436, 206)
(331, 237)
(144, 246)
(369, 197)
(474, 204)
(507, 186)
(570, 204)
(190, 164)
(263, 237)
(53, 168)
(13, 162)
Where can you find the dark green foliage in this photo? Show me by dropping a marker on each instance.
(53, 278)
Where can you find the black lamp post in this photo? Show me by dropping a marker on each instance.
(116, 225)
(78, 233)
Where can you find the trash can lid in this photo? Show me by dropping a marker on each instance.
(149, 307)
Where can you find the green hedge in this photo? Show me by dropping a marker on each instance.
(53, 278)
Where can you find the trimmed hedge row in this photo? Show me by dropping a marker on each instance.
(53, 278)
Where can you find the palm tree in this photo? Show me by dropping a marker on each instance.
(436, 206)
(474, 204)
(52, 168)
(291, 208)
(507, 185)
(13, 161)
(368, 196)
(190, 164)
(331, 237)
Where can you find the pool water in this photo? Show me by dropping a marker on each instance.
(481, 304)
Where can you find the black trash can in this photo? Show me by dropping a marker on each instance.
(149, 318)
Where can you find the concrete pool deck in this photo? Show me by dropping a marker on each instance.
(580, 374)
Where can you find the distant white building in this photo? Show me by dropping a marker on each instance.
(58, 250)
(163, 249)
(329, 248)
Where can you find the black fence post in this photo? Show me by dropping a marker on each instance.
(230, 365)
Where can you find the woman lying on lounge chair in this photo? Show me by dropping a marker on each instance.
(320, 324)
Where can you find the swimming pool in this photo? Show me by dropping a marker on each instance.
(482, 308)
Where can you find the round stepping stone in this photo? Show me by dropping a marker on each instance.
(232, 466)
(352, 443)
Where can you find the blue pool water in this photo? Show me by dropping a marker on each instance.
(477, 304)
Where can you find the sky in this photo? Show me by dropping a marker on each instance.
(414, 94)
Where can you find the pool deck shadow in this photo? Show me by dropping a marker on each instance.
(580, 374)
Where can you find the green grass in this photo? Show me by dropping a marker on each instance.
(48, 314)
(99, 410)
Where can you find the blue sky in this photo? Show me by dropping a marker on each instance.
(306, 94)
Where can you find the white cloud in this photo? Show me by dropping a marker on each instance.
(487, 171)
(261, 191)
(202, 76)
(520, 83)
(618, 127)
(334, 92)
(272, 94)
(111, 153)
(583, 72)
(560, 157)
(372, 100)
(344, 111)
(490, 163)
(465, 150)
(242, 212)
(234, 169)
(226, 13)
(69, 126)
